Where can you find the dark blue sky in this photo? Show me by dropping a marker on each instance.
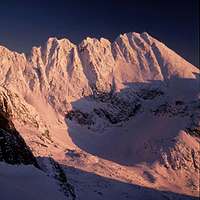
(24, 24)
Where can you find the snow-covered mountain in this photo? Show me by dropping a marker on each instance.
(121, 120)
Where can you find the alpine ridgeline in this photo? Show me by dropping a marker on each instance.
(121, 118)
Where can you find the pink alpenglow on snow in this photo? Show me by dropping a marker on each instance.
(104, 120)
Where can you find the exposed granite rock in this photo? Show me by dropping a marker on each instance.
(13, 148)
(80, 117)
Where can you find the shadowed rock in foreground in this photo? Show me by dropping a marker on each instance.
(13, 148)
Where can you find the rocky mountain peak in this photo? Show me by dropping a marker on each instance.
(60, 65)
(101, 106)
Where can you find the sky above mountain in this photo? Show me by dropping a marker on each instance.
(24, 24)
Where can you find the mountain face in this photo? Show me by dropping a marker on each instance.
(124, 114)
(62, 72)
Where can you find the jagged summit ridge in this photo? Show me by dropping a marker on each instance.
(126, 110)
(61, 71)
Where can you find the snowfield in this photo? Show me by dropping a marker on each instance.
(21, 182)
(104, 120)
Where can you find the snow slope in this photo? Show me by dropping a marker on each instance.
(22, 182)
(122, 118)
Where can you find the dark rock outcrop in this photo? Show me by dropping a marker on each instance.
(13, 149)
